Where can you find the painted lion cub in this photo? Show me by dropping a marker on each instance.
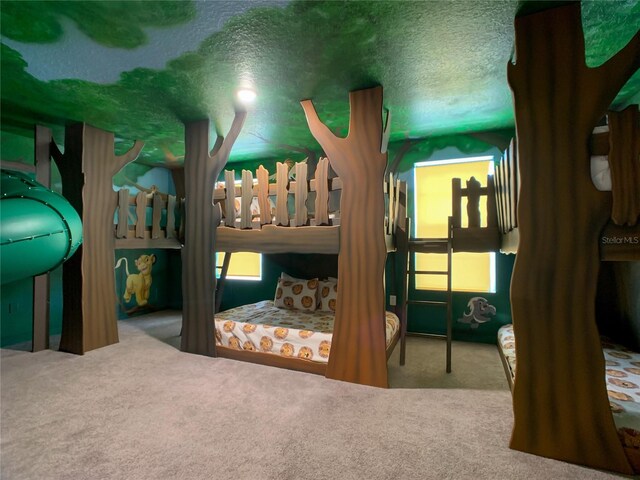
(138, 284)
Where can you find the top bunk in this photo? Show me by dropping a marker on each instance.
(281, 214)
(615, 171)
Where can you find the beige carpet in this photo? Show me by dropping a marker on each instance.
(141, 409)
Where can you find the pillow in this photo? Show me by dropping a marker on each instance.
(296, 294)
(327, 296)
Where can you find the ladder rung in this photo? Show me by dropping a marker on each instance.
(428, 335)
(426, 302)
(429, 272)
(423, 241)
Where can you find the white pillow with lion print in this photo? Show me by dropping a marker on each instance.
(327, 296)
(296, 294)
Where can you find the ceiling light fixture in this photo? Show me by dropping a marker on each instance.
(246, 95)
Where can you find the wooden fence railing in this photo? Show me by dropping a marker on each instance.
(507, 182)
(260, 193)
(132, 228)
(474, 237)
(472, 193)
(249, 217)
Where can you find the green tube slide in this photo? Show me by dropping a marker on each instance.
(39, 229)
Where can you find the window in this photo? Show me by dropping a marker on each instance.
(243, 266)
(472, 272)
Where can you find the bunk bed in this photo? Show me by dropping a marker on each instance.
(619, 242)
(295, 329)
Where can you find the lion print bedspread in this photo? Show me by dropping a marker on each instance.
(265, 328)
(622, 372)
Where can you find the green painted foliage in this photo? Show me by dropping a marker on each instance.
(111, 23)
(434, 84)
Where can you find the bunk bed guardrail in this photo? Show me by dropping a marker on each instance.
(615, 168)
(274, 227)
(474, 237)
(132, 228)
(507, 188)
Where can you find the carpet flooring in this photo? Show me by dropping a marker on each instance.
(141, 409)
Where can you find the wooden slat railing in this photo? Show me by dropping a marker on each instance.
(506, 189)
(474, 237)
(277, 213)
(133, 230)
(473, 192)
(281, 189)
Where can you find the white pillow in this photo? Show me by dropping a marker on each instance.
(296, 294)
(327, 296)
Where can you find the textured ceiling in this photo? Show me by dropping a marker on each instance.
(141, 69)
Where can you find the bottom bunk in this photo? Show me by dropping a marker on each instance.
(623, 387)
(295, 339)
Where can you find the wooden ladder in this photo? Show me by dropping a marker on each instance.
(429, 245)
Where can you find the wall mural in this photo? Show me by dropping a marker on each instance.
(163, 63)
(137, 285)
(478, 312)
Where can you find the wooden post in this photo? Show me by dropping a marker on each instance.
(358, 349)
(557, 101)
(89, 296)
(322, 192)
(156, 207)
(492, 219)
(201, 169)
(282, 195)
(246, 199)
(171, 216)
(456, 199)
(301, 192)
(473, 202)
(230, 201)
(624, 159)
(41, 283)
(141, 214)
(263, 195)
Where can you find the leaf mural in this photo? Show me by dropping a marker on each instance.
(434, 84)
(114, 24)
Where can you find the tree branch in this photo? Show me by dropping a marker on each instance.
(318, 129)
(284, 146)
(217, 146)
(386, 133)
(130, 156)
(234, 131)
(615, 72)
(56, 154)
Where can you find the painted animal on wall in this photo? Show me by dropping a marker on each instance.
(138, 284)
(479, 311)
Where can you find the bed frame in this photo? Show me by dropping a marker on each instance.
(297, 230)
(297, 364)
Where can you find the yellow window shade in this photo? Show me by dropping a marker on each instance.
(243, 265)
(471, 272)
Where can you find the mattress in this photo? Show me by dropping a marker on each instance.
(262, 327)
(622, 373)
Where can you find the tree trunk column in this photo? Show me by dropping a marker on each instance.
(201, 169)
(358, 349)
(560, 401)
(87, 169)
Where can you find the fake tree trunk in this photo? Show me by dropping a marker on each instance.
(201, 169)
(358, 347)
(87, 168)
(560, 400)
